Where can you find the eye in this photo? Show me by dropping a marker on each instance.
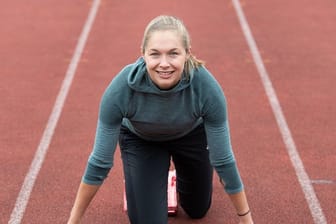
(154, 54)
(173, 53)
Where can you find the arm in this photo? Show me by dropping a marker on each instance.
(84, 196)
(232, 183)
(225, 165)
(112, 109)
(221, 154)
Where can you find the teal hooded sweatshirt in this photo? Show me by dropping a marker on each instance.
(133, 100)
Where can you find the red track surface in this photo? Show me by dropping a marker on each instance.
(296, 40)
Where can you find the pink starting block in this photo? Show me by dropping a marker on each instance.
(171, 194)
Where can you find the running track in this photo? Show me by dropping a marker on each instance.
(279, 80)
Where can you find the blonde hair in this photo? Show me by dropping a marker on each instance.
(165, 22)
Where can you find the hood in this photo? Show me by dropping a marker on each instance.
(139, 80)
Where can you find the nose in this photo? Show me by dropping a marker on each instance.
(164, 61)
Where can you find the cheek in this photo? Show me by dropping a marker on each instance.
(150, 64)
(181, 65)
(151, 71)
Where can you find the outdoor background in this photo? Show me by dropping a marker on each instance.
(274, 59)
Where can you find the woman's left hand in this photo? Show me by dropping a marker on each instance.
(246, 219)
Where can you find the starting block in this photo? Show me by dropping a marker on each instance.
(171, 194)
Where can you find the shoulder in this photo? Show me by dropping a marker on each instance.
(205, 81)
(209, 93)
(120, 83)
(118, 92)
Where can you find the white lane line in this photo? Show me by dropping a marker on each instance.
(323, 182)
(29, 181)
(308, 190)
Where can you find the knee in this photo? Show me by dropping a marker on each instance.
(199, 214)
(196, 212)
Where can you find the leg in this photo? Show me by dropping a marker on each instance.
(194, 173)
(146, 167)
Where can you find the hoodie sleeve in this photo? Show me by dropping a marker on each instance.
(218, 135)
(113, 107)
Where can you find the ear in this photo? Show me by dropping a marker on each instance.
(142, 52)
(188, 51)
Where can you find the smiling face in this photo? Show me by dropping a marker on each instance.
(165, 57)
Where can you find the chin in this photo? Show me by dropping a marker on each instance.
(166, 86)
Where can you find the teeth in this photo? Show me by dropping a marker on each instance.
(165, 73)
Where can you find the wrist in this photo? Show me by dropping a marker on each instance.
(244, 213)
(74, 218)
(245, 218)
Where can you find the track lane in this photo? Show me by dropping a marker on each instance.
(32, 67)
(300, 57)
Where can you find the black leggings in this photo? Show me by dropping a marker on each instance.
(146, 165)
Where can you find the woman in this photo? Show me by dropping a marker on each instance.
(164, 106)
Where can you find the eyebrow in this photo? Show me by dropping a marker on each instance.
(173, 49)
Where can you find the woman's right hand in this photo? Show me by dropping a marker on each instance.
(73, 221)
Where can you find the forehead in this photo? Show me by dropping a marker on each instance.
(165, 39)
